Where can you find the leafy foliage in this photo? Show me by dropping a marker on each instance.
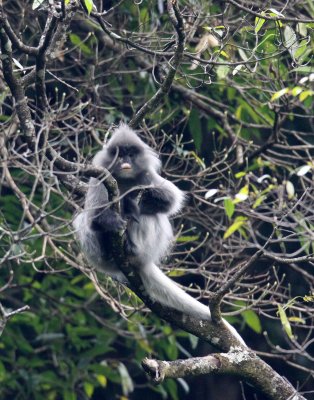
(235, 131)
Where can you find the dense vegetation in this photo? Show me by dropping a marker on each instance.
(234, 126)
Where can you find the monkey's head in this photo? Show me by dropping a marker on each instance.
(127, 157)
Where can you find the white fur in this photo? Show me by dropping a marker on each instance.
(165, 291)
(152, 237)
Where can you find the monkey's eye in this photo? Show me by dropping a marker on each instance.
(113, 151)
(133, 152)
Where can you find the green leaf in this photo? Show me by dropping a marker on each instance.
(238, 112)
(195, 129)
(305, 94)
(222, 71)
(171, 386)
(279, 23)
(243, 233)
(3, 371)
(199, 161)
(242, 195)
(171, 348)
(143, 344)
(296, 91)
(176, 272)
(229, 207)
(259, 201)
(89, 5)
(240, 174)
(69, 395)
(285, 322)
(184, 239)
(246, 108)
(301, 49)
(45, 337)
(290, 41)
(302, 29)
(76, 40)
(279, 94)
(238, 223)
(259, 22)
(224, 54)
(89, 389)
(304, 69)
(297, 319)
(252, 320)
(194, 340)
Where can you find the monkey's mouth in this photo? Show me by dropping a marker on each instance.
(126, 166)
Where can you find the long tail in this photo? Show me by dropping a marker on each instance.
(167, 292)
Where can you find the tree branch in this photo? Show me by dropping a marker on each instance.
(152, 103)
(45, 42)
(237, 361)
(5, 316)
(269, 18)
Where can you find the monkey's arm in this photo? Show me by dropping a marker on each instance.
(101, 218)
(155, 201)
(94, 225)
(131, 209)
(163, 197)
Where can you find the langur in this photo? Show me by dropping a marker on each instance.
(147, 202)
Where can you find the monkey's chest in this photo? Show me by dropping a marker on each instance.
(150, 237)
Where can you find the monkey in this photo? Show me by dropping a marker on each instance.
(147, 202)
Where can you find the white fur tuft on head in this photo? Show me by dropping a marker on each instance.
(124, 135)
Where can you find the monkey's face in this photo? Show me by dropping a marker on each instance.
(125, 162)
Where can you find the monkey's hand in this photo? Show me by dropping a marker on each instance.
(155, 200)
(131, 209)
(106, 220)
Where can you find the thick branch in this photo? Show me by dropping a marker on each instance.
(15, 85)
(237, 361)
(215, 333)
(161, 370)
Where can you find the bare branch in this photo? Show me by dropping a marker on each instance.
(268, 17)
(173, 65)
(6, 315)
(237, 362)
